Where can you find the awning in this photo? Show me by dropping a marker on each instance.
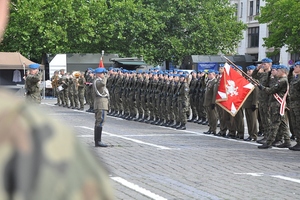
(131, 62)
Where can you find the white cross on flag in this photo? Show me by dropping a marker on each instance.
(233, 90)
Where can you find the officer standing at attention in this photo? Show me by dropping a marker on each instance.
(32, 84)
(250, 105)
(210, 102)
(101, 101)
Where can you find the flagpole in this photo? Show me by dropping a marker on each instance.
(245, 74)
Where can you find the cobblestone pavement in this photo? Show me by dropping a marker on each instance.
(153, 162)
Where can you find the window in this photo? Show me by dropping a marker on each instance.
(241, 12)
(236, 10)
(253, 37)
(251, 8)
(257, 7)
(255, 56)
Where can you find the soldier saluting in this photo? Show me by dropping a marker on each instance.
(32, 84)
(277, 111)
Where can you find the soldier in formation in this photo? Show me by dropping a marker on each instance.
(172, 98)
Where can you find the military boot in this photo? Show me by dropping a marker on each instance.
(295, 148)
(286, 144)
(192, 119)
(97, 137)
(175, 124)
(181, 127)
(161, 122)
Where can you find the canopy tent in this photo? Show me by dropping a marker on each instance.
(14, 60)
(10, 61)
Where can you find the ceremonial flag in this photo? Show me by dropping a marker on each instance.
(101, 65)
(233, 90)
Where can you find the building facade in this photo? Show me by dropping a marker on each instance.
(252, 44)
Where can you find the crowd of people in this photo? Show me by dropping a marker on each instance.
(172, 98)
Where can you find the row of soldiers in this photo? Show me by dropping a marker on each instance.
(170, 98)
(156, 97)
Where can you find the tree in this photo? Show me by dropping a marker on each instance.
(157, 30)
(282, 17)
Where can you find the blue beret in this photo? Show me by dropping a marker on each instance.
(211, 71)
(91, 69)
(221, 65)
(182, 75)
(200, 71)
(282, 67)
(99, 70)
(274, 66)
(240, 67)
(266, 60)
(34, 66)
(250, 67)
(297, 63)
(193, 72)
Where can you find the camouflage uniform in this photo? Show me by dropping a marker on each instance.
(192, 97)
(263, 107)
(81, 89)
(32, 85)
(293, 104)
(42, 159)
(278, 122)
(209, 104)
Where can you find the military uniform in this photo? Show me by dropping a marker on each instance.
(32, 85)
(250, 105)
(192, 97)
(42, 159)
(81, 89)
(293, 104)
(209, 104)
(278, 122)
(101, 104)
(183, 101)
(263, 107)
(54, 83)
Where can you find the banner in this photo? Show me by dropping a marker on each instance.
(233, 90)
(206, 66)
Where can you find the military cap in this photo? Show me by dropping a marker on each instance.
(250, 67)
(240, 67)
(221, 65)
(274, 66)
(99, 70)
(283, 67)
(200, 71)
(211, 71)
(266, 60)
(297, 63)
(182, 75)
(34, 66)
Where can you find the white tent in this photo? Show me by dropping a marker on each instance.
(57, 63)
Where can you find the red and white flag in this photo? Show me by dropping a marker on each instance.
(101, 65)
(233, 90)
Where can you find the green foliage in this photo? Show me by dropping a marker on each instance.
(282, 17)
(158, 30)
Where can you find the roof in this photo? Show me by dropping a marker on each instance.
(14, 60)
(132, 62)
